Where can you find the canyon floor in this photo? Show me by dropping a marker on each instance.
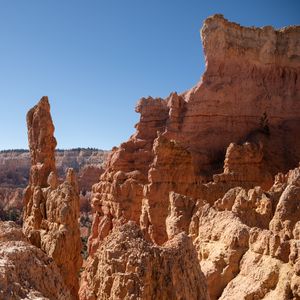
(202, 202)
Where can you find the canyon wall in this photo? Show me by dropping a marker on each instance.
(203, 162)
(15, 165)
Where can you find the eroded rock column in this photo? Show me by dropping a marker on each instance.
(51, 209)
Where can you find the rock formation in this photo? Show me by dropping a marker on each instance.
(51, 210)
(81, 159)
(88, 176)
(10, 199)
(269, 267)
(15, 166)
(239, 99)
(26, 272)
(168, 178)
(128, 267)
(202, 202)
(14, 176)
(244, 165)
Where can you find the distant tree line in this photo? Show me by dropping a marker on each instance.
(14, 150)
(79, 149)
(57, 150)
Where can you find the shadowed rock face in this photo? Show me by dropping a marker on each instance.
(51, 210)
(245, 111)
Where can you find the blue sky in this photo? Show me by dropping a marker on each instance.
(94, 59)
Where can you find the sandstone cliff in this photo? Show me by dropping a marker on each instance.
(51, 210)
(169, 177)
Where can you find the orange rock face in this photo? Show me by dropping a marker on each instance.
(26, 272)
(244, 165)
(42, 143)
(14, 177)
(88, 176)
(128, 267)
(10, 198)
(15, 166)
(269, 266)
(202, 123)
(167, 178)
(51, 210)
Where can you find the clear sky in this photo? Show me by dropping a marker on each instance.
(95, 58)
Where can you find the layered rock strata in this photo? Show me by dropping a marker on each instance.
(51, 210)
(246, 112)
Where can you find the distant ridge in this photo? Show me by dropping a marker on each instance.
(57, 150)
